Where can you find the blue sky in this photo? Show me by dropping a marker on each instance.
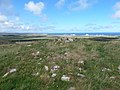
(59, 16)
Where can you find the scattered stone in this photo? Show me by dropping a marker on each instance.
(33, 54)
(71, 88)
(80, 69)
(54, 68)
(11, 71)
(36, 54)
(112, 77)
(65, 78)
(66, 39)
(119, 67)
(80, 75)
(59, 39)
(54, 75)
(40, 58)
(81, 62)
(46, 68)
(106, 69)
(70, 73)
(28, 45)
(52, 71)
(65, 53)
(39, 63)
(36, 74)
(70, 39)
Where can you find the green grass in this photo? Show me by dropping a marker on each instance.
(96, 55)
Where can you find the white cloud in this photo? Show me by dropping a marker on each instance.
(3, 18)
(60, 3)
(9, 24)
(6, 4)
(90, 24)
(15, 25)
(117, 6)
(80, 4)
(116, 15)
(25, 27)
(35, 8)
(75, 4)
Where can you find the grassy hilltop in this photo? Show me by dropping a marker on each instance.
(55, 64)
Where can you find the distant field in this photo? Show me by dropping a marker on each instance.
(11, 39)
(56, 63)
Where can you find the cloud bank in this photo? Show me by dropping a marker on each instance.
(74, 5)
(2, 18)
(60, 3)
(79, 5)
(116, 7)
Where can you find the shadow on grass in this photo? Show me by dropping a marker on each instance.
(103, 38)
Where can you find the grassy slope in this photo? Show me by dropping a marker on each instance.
(96, 56)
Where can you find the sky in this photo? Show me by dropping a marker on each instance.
(59, 16)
